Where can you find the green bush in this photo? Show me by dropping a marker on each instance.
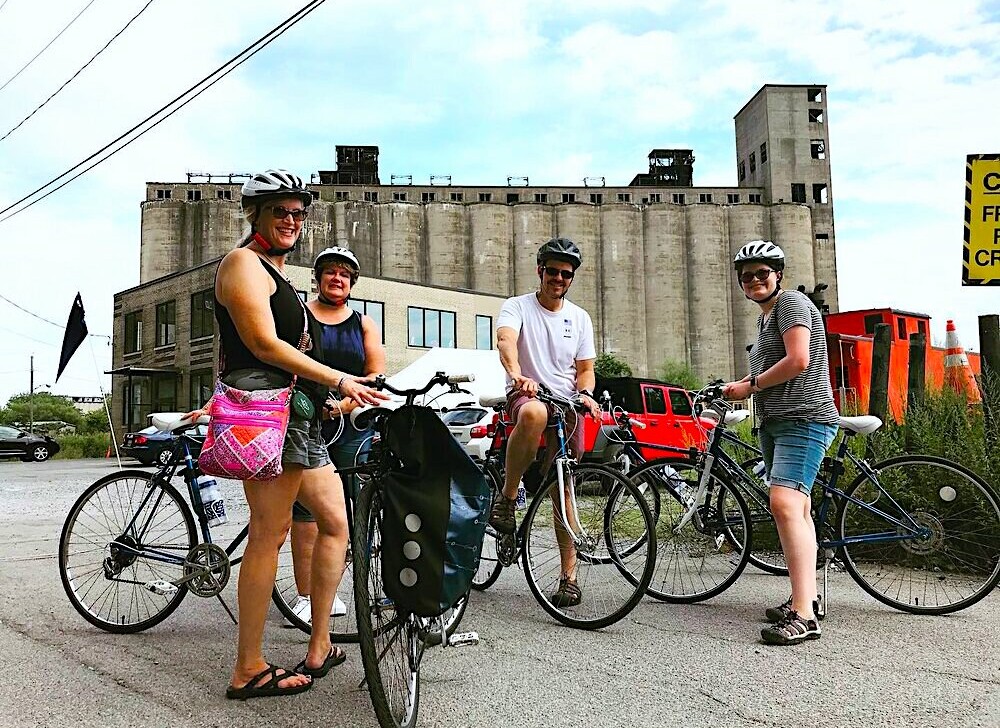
(83, 446)
(609, 365)
(680, 373)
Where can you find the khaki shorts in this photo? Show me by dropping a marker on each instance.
(574, 429)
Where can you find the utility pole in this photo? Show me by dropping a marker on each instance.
(31, 398)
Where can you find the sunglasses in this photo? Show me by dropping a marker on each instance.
(760, 275)
(566, 275)
(280, 213)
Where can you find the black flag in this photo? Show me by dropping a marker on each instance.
(76, 332)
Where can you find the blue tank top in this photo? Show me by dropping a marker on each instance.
(343, 345)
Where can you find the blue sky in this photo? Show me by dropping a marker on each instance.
(480, 91)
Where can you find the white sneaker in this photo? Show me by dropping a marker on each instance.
(303, 608)
(339, 609)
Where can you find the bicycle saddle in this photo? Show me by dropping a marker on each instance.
(732, 417)
(170, 421)
(862, 425)
(487, 401)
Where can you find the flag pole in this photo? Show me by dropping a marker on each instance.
(104, 399)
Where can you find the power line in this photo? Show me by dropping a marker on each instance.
(3, 3)
(113, 38)
(235, 62)
(47, 44)
(42, 318)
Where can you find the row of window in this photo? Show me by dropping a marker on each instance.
(194, 195)
(820, 192)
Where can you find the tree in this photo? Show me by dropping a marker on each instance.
(681, 374)
(46, 407)
(609, 365)
(96, 421)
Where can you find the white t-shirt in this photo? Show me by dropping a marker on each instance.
(549, 343)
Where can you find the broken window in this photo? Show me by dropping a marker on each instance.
(705, 197)
(743, 171)
(753, 163)
(820, 194)
(163, 194)
(341, 195)
(655, 197)
(753, 198)
(678, 198)
(399, 197)
(513, 197)
(485, 196)
(822, 239)
(457, 197)
(763, 152)
(815, 95)
(798, 192)
(427, 196)
(541, 197)
(816, 116)
(596, 198)
(732, 198)
(568, 197)
(624, 196)
(817, 148)
(224, 194)
(194, 195)
(371, 196)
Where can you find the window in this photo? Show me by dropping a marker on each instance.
(194, 195)
(429, 327)
(624, 196)
(817, 149)
(816, 116)
(655, 197)
(202, 383)
(655, 403)
(428, 196)
(202, 318)
(901, 328)
(399, 197)
(163, 194)
(303, 295)
(763, 152)
(133, 332)
(374, 310)
(753, 163)
(371, 196)
(678, 198)
(484, 332)
(704, 197)
(541, 197)
(822, 239)
(341, 195)
(820, 194)
(870, 321)
(743, 171)
(815, 95)
(568, 197)
(596, 198)
(513, 197)
(166, 317)
(457, 197)
(733, 198)
(680, 403)
(843, 377)
(798, 192)
(753, 198)
(486, 197)
(922, 328)
(136, 403)
(224, 194)
(164, 394)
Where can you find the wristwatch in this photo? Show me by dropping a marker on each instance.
(586, 392)
(753, 383)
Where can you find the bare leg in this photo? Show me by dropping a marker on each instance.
(567, 551)
(522, 446)
(270, 517)
(323, 494)
(798, 542)
(303, 540)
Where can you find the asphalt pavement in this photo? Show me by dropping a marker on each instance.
(666, 665)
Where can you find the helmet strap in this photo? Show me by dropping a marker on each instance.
(269, 249)
(329, 302)
(775, 292)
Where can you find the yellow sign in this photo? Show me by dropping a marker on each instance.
(981, 254)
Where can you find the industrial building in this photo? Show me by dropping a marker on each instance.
(657, 276)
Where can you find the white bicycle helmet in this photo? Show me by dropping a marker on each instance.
(274, 183)
(763, 251)
(344, 255)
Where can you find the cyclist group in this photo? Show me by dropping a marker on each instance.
(269, 339)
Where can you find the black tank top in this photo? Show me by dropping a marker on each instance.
(343, 344)
(287, 310)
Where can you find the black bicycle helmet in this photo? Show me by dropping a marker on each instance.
(562, 249)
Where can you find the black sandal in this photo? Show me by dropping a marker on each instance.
(336, 657)
(268, 689)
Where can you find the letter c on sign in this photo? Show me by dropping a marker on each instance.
(992, 181)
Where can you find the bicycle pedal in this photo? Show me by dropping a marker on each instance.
(163, 588)
(463, 639)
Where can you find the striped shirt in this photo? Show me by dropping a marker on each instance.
(809, 395)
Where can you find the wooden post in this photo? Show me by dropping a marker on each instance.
(989, 379)
(878, 397)
(916, 379)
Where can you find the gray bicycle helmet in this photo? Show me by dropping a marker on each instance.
(760, 251)
(342, 255)
(274, 183)
(562, 249)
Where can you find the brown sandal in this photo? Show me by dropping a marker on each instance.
(567, 595)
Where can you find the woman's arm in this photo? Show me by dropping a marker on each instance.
(791, 365)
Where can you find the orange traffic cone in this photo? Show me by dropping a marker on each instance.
(957, 372)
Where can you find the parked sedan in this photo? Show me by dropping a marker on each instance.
(468, 426)
(152, 446)
(15, 443)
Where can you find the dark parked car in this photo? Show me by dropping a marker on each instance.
(15, 443)
(152, 446)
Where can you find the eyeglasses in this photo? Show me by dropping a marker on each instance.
(760, 275)
(280, 213)
(566, 275)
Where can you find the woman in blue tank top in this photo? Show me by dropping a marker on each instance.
(350, 342)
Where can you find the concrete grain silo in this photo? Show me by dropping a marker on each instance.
(666, 286)
(746, 223)
(582, 225)
(161, 239)
(533, 225)
(623, 325)
(355, 226)
(791, 228)
(447, 231)
(404, 256)
(708, 265)
(490, 240)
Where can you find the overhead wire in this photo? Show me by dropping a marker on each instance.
(25, 66)
(225, 69)
(42, 318)
(84, 66)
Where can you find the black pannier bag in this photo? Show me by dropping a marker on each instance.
(435, 514)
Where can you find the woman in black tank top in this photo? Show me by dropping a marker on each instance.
(261, 322)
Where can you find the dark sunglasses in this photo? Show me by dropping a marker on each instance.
(566, 275)
(280, 213)
(760, 275)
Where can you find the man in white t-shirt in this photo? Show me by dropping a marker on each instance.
(545, 339)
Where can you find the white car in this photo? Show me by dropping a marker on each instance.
(468, 425)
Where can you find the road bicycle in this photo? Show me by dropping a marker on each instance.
(605, 523)
(916, 532)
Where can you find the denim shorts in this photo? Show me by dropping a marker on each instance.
(793, 451)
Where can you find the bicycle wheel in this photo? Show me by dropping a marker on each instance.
(705, 556)
(489, 565)
(765, 551)
(390, 645)
(952, 561)
(107, 584)
(343, 624)
(613, 562)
